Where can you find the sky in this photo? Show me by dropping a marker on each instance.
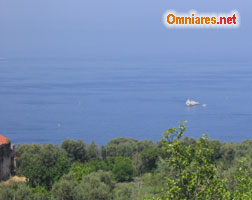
(118, 28)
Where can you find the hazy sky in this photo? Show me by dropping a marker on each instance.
(118, 28)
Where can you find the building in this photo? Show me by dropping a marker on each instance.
(7, 152)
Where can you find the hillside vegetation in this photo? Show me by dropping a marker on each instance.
(176, 168)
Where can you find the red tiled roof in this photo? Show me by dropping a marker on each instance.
(3, 140)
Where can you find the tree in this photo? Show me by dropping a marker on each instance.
(243, 177)
(149, 158)
(138, 164)
(15, 190)
(124, 192)
(96, 186)
(81, 169)
(40, 193)
(92, 151)
(195, 176)
(65, 188)
(123, 169)
(76, 150)
(42, 165)
(120, 147)
(144, 144)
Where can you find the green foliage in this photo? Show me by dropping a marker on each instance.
(226, 155)
(92, 151)
(146, 186)
(243, 178)
(138, 164)
(83, 169)
(65, 188)
(149, 158)
(144, 144)
(177, 167)
(96, 186)
(124, 191)
(15, 190)
(41, 164)
(123, 169)
(153, 183)
(125, 147)
(196, 176)
(120, 147)
(40, 193)
(79, 170)
(76, 150)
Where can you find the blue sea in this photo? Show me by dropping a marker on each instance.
(49, 100)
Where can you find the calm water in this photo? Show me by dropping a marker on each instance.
(51, 100)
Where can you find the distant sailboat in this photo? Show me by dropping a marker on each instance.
(191, 103)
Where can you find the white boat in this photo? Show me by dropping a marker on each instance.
(191, 103)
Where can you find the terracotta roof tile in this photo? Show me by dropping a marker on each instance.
(4, 140)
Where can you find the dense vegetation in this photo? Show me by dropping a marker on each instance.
(177, 167)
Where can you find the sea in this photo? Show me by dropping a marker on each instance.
(50, 100)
